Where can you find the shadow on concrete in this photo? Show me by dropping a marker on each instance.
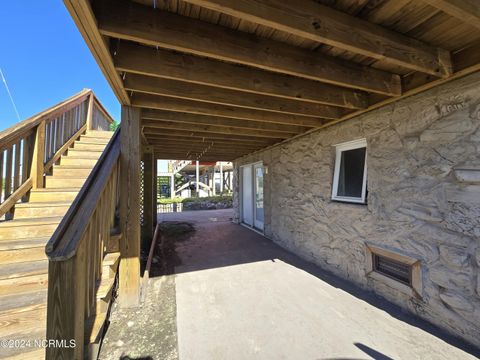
(371, 352)
(218, 243)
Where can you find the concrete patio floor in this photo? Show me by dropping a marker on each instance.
(240, 296)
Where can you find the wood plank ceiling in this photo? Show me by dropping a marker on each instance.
(218, 79)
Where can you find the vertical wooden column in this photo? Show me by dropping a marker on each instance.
(214, 190)
(148, 197)
(38, 166)
(221, 178)
(155, 190)
(172, 186)
(197, 175)
(90, 112)
(129, 274)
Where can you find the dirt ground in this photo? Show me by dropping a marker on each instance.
(150, 332)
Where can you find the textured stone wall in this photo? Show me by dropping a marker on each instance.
(423, 200)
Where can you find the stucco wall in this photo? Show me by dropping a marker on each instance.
(420, 202)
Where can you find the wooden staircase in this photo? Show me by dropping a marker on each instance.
(23, 263)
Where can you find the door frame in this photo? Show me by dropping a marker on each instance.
(253, 184)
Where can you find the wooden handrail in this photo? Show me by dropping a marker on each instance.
(77, 260)
(65, 241)
(33, 146)
(8, 136)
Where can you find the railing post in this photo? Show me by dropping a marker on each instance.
(129, 276)
(38, 166)
(90, 112)
(66, 306)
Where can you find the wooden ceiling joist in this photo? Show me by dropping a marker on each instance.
(313, 21)
(467, 11)
(217, 79)
(167, 133)
(202, 108)
(209, 94)
(149, 115)
(145, 60)
(169, 138)
(216, 129)
(135, 22)
(171, 144)
(199, 150)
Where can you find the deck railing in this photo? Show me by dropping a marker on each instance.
(76, 251)
(29, 149)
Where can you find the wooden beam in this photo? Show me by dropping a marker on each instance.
(145, 60)
(135, 22)
(82, 14)
(201, 137)
(202, 108)
(186, 153)
(467, 11)
(148, 200)
(200, 142)
(200, 146)
(170, 156)
(215, 129)
(316, 22)
(149, 132)
(209, 94)
(129, 273)
(148, 114)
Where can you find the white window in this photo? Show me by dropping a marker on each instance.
(350, 177)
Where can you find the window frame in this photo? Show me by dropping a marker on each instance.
(339, 149)
(414, 289)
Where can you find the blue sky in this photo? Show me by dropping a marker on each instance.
(45, 60)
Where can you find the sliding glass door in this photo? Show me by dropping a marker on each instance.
(251, 189)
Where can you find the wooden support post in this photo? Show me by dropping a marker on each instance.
(38, 159)
(155, 191)
(221, 177)
(213, 181)
(90, 113)
(66, 305)
(148, 200)
(129, 276)
(197, 176)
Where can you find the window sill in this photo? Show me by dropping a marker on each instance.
(347, 200)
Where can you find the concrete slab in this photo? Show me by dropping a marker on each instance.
(240, 296)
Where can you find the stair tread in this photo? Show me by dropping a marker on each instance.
(68, 189)
(24, 322)
(31, 221)
(16, 270)
(43, 204)
(111, 258)
(22, 302)
(74, 167)
(101, 132)
(23, 243)
(31, 353)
